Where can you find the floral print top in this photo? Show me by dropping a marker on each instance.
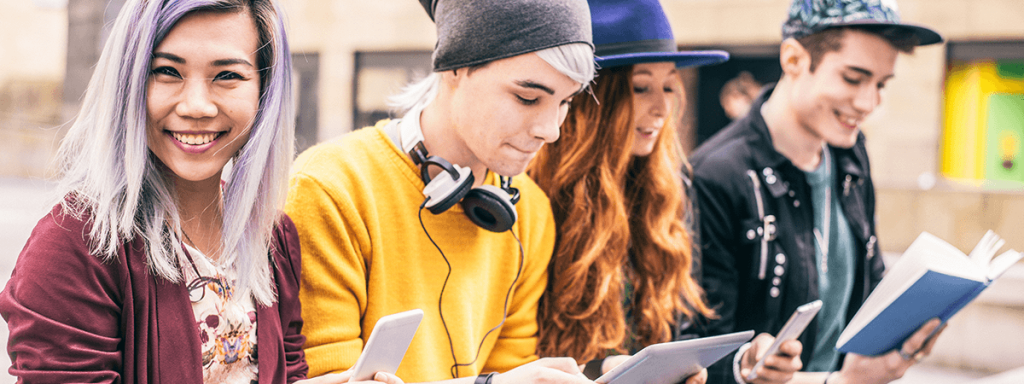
(227, 327)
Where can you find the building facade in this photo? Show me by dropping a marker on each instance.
(946, 147)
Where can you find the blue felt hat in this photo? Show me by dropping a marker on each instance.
(630, 32)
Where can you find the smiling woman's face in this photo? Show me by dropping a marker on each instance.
(656, 89)
(203, 93)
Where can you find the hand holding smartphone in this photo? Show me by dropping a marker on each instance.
(791, 330)
(388, 342)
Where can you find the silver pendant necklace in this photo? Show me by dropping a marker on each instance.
(823, 239)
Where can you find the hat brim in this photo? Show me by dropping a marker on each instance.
(682, 59)
(925, 35)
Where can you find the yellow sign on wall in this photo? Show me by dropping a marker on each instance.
(984, 122)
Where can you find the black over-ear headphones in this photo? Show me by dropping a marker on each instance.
(492, 208)
(487, 206)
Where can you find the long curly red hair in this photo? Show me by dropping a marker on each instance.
(614, 212)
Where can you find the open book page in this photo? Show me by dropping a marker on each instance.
(1000, 264)
(986, 248)
(983, 254)
(930, 252)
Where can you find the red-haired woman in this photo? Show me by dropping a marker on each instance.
(620, 278)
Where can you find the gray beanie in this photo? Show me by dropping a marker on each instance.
(472, 32)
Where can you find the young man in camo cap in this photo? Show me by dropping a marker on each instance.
(785, 196)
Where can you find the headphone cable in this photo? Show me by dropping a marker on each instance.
(504, 314)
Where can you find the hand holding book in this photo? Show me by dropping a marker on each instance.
(931, 279)
(890, 366)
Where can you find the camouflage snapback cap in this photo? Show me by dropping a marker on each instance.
(807, 17)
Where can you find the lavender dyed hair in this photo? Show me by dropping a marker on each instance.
(108, 172)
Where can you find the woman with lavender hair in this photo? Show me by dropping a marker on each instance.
(153, 267)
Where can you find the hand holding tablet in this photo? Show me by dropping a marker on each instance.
(674, 361)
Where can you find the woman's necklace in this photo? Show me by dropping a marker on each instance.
(189, 239)
(189, 242)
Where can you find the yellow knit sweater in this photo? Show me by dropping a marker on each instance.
(355, 201)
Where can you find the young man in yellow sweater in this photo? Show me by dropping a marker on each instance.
(504, 73)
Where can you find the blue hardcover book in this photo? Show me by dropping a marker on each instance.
(932, 279)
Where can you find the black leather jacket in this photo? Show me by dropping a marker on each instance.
(756, 231)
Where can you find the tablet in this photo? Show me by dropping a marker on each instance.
(791, 330)
(388, 342)
(674, 361)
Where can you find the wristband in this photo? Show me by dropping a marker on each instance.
(484, 379)
(736, 363)
(593, 368)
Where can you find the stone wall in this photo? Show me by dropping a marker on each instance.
(337, 30)
(954, 213)
(32, 49)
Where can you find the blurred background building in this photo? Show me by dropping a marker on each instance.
(947, 143)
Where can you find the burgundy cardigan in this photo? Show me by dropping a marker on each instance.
(74, 318)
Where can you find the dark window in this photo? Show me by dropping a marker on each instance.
(761, 62)
(306, 69)
(379, 75)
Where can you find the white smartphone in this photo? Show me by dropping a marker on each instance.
(791, 330)
(388, 342)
